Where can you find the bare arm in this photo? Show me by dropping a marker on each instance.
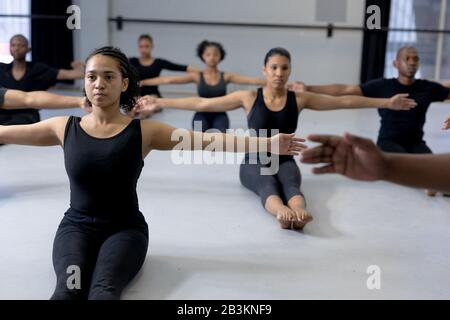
(359, 158)
(188, 78)
(325, 102)
(231, 101)
(73, 74)
(446, 83)
(49, 132)
(160, 136)
(238, 79)
(336, 90)
(16, 99)
(427, 171)
(192, 69)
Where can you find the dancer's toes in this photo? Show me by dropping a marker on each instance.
(286, 217)
(430, 193)
(303, 217)
(285, 224)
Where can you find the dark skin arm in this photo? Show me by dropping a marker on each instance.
(360, 159)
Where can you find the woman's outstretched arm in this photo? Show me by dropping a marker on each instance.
(240, 79)
(229, 102)
(188, 78)
(160, 136)
(49, 132)
(16, 99)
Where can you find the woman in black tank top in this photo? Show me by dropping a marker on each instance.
(211, 83)
(101, 243)
(273, 107)
(149, 67)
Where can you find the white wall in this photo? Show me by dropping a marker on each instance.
(94, 32)
(316, 58)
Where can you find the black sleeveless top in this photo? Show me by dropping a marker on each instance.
(285, 120)
(103, 173)
(206, 91)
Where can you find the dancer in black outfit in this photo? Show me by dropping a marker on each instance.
(211, 83)
(273, 107)
(103, 234)
(149, 67)
(400, 132)
(29, 76)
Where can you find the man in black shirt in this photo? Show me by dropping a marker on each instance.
(28, 76)
(400, 131)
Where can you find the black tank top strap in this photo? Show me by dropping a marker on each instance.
(69, 124)
(292, 100)
(256, 104)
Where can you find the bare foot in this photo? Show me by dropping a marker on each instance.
(286, 217)
(303, 217)
(430, 193)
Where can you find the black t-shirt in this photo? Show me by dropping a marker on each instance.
(38, 76)
(404, 125)
(153, 71)
(2, 96)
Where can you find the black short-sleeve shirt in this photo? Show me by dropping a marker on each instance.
(404, 125)
(2, 95)
(153, 71)
(38, 76)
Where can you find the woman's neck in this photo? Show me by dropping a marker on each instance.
(147, 58)
(274, 93)
(106, 115)
(211, 69)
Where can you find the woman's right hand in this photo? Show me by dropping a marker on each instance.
(446, 125)
(297, 86)
(146, 106)
(85, 105)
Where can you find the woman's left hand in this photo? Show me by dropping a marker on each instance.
(287, 144)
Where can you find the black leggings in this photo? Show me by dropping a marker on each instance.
(285, 183)
(403, 147)
(108, 259)
(212, 120)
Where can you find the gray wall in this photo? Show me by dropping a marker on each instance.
(316, 58)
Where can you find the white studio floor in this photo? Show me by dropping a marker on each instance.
(210, 238)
